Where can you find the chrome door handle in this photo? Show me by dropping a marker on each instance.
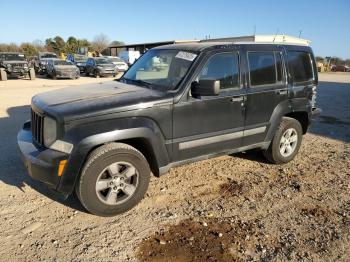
(237, 99)
(282, 92)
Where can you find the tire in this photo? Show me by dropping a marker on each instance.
(31, 74)
(96, 169)
(54, 76)
(278, 151)
(3, 74)
(96, 74)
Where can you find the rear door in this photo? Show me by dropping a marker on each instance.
(266, 88)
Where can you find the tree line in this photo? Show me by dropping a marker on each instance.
(334, 60)
(58, 45)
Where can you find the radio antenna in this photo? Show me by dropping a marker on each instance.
(275, 35)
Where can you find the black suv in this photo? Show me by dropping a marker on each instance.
(15, 64)
(100, 66)
(103, 140)
(40, 62)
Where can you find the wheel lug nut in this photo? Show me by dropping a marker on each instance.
(115, 188)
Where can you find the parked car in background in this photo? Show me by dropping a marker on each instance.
(40, 62)
(58, 68)
(15, 64)
(100, 66)
(78, 60)
(119, 63)
(129, 57)
(341, 68)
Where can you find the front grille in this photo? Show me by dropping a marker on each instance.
(37, 124)
(17, 65)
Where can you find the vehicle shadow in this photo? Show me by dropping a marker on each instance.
(12, 171)
(253, 155)
(334, 120)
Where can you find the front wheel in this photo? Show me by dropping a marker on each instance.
(96, 74)
(31, 74)
(286, 141)
(114, 179)
(54, 76)
(3, 74)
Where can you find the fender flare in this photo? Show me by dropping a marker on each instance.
(81, 151)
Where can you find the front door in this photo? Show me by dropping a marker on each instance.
(211, 124)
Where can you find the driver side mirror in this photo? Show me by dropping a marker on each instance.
(205, 88)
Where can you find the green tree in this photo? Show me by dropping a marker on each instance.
(56, 44)
(29, 49)
(71, 46)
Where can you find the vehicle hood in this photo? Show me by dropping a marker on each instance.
(15, 62)
(85, 101)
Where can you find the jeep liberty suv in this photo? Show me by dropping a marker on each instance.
(102, 141)
(15, 64)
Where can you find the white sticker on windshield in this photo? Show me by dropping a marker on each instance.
(186, 55)
(20, 55)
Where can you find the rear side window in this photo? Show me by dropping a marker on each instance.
(265, 68)
(223, 67)
(300, 66)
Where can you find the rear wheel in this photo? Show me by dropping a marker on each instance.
(3, 74)
(113, 180)
(286, 141)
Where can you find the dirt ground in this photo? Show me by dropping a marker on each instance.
(236, 207)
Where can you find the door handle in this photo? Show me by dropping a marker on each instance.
(282, 92)
(237, 99)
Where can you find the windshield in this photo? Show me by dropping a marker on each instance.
(12, 57)
(80, 58)
(116, 59)
(48, 56)
(59, 62)
(162, 69)
(103, 61)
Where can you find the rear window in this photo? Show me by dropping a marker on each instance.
(300, 66)
(265, 68)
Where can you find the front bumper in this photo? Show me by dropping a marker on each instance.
(68, 74)
(316, 111)
(41, 163)
(106, 72)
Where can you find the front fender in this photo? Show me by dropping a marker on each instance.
(86, 144)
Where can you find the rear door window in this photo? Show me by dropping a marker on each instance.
(265, 68)
(300, 66)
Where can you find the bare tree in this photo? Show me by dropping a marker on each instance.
(100, 43)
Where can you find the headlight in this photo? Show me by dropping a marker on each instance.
(100, 67)
(8, 65)
(50, 131)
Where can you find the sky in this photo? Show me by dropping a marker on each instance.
(325, 23)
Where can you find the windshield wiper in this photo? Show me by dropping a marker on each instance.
(138, 81)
